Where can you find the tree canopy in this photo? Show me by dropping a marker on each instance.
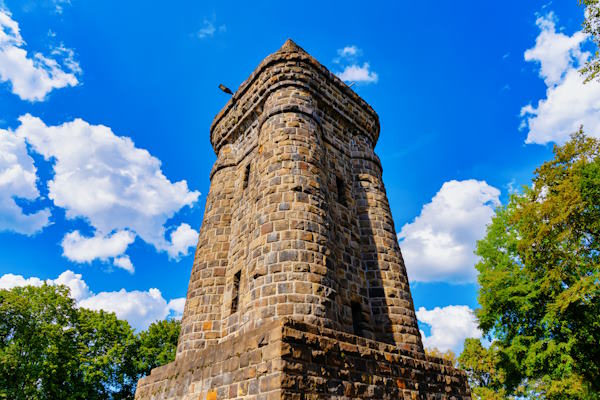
(591, 26)
(539, 276)
(480, 364)
(50, 349)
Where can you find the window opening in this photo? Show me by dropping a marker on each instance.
(246, 176)
(236, 291)
(341, 192)
(357, 319)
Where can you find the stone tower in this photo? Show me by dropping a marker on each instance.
(298, 288)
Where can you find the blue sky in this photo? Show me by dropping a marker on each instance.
(105, 110)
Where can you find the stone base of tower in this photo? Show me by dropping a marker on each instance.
(286, 359)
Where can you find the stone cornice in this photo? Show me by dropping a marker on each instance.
(292, 65)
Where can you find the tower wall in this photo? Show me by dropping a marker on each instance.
(201, 323)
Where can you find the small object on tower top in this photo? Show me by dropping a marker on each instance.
(225, 88)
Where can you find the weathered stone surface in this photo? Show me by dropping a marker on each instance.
(287, 359)
(298, 289)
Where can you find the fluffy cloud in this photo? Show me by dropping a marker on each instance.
(177, 306)
(449, 326)
(32, 77)
(352, 71)
(9, 281)
(356, 73)
(438, 245)
(569, 102)
(119, 189)
(182, 239)
(83, 249)
(125, 263)
(18, 180)
(140, 308)
(555, 51)
(79, 289)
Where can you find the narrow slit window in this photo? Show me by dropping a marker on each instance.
(246, 176)
(236, 291)
(357, 319)
(341, 192)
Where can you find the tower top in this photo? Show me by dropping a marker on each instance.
(291, 65)
(291, 47)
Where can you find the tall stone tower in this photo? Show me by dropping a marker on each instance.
(298, 289)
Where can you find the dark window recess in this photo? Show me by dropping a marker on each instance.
(357, 319)
(341, 191)
(376, 292)
(236, 291)
(246, 176)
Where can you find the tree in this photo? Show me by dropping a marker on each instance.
(50, 349)
(591, 26)
(38, 347)
(158, 345)
(539, 276)
(481, 366)
(107, 350)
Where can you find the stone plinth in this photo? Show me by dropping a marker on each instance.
(286, 359)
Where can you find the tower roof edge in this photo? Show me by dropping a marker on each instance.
(244, 98)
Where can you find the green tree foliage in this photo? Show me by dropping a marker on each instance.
(480, 364)
(539, 277)
(591, 26)
(50, 349)
(107, 350)
(158, 345)
(38, 344)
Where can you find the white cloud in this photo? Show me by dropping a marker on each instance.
(182, 239)
(79, 289)
(449, 327)
(9, 281)
(177, 306)
(209, 28)
(438, 245)
(349, 52)
(32, 77)
(352, 71)
(140, 308)
(86, 249)
(18, 180)
(569, 102)
(356, 73)
(119, 189)
(555, 51)
(125, 263)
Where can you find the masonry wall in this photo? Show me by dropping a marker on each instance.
(291, 360)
